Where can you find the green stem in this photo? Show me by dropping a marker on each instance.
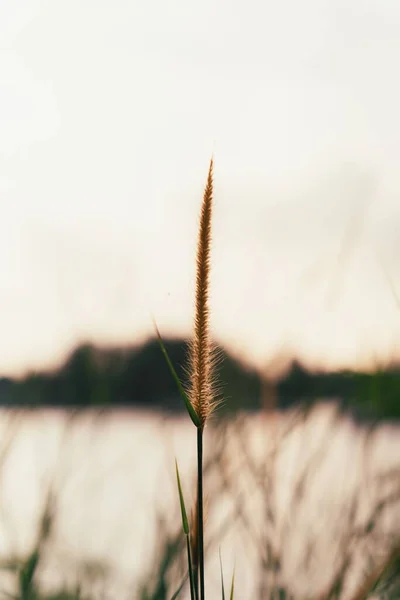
(191, 580)
(196, 582)
(200, 508)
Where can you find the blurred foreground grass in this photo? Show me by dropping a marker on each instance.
(361, 539)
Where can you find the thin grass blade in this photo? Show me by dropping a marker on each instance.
(232, 586)
(185, 525)
(185, 522)
(192, 413)
(222, 576)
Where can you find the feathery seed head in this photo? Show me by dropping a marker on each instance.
(201, 354)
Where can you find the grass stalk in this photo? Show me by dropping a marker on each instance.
(194, 538)
(200, 516)
(201, 358)
(191, 574)
(222, 577)
(186, 530)
(200, 399)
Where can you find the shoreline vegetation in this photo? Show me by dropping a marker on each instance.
(124, 377)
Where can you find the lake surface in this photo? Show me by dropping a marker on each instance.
(278, 485)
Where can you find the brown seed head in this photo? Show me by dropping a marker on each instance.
(201, 354)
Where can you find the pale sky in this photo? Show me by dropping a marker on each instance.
(109, 113)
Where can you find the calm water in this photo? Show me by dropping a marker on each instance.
(112, 477)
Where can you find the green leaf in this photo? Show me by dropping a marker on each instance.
(222, 575)
(192, 413)
(185, 522)
(27, 573)
(232, 585)
(185, 525)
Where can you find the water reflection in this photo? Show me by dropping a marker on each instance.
(298, 501)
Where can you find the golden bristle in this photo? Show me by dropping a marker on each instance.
(201, 354)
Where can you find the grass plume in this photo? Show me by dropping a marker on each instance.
(201, 397)
(201, 355)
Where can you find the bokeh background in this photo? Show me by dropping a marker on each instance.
(110, 111)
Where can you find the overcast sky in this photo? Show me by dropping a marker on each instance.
(109, 113)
